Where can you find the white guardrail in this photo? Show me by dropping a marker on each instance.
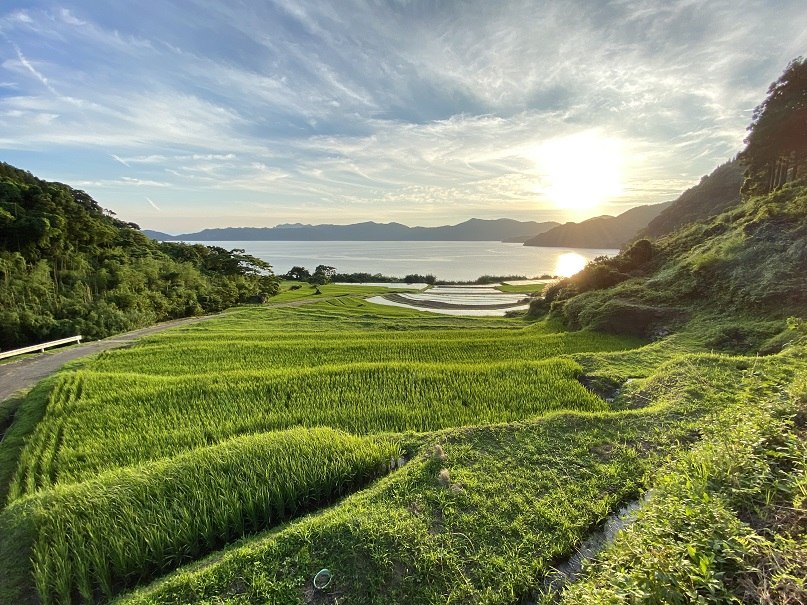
(40, 347)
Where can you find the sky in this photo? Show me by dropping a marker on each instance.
(182, 115)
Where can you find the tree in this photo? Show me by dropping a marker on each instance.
(417, 278)
(776, 146)
(323, 274)
(298, 274)
(68, 266)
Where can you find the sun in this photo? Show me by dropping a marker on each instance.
(579, 172)
(568, 264)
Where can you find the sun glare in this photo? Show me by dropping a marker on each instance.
(568, 264)
(581, 171)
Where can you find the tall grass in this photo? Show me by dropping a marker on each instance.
(94, 537)
(194, 353)
(100, 421)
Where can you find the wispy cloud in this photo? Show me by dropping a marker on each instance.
(27, 65)
(430, 111)
(153, 205)
(121, 160)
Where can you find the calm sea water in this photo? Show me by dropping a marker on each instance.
(446, 260)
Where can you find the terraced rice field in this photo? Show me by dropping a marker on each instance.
(267, 370)
(489, 300)
(152, 457)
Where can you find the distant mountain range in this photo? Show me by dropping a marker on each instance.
(600, 231)
(470, 231)
(713, 195)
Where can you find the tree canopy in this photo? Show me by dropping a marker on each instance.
(68, 266)
(776, 145)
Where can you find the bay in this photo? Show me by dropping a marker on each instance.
(451, 261)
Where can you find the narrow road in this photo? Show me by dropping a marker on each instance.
(25, 373)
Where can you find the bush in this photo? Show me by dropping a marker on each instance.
(597, 311)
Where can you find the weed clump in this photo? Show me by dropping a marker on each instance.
(444, 477)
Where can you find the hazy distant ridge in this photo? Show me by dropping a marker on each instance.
(714, 194)
(471, 230)
(600, 231)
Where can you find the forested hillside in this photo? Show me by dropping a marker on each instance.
(67, 266)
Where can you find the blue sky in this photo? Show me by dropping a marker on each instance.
(180, 115)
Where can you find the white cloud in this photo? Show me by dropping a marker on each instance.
(142, 183)
(69, 18)
(27, 65)
(387, 109)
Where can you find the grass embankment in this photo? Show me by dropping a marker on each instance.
(725, 522)
(521, 288)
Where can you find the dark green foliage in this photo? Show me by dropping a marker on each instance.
(776, 150)
(67, 266)
(298, 274)
(415, 278)
(362, 277)
(323, 274)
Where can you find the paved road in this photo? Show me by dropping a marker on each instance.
(26, 372)
(18, 375)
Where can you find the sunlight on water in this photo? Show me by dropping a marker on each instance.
(569, 263)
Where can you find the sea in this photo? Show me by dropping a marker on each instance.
(450, 261)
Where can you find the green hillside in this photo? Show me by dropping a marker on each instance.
(715, 193)
(745, 263)
(600, 231)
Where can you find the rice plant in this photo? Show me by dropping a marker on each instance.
(95, 537)
(123, 419)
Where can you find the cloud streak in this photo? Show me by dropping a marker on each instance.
(382, 110)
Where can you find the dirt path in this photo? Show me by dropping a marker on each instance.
(26, 372)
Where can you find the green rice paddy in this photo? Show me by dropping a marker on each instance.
(253, 425)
